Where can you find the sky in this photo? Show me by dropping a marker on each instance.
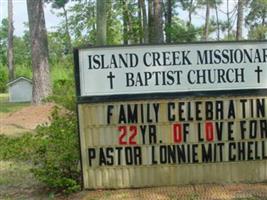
(20, 15)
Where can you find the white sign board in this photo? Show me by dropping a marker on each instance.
(172, 68)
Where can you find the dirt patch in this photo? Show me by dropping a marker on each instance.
(189, 192)
(26, 119)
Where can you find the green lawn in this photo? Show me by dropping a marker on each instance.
(6, 106)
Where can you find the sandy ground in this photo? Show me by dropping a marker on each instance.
(25, 119)
(188, 192)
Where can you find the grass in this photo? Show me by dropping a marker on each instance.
(6, 106)
(17, 182)
(16, 173)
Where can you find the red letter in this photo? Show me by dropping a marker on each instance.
(123, 131)
(133, 129)
(209, 131)
(177, 133)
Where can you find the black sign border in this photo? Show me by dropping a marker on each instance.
(162, 95)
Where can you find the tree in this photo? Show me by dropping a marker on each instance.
(101, 22)
(217, 21)
(61, 4)
(3, 41)
(228, 24)
(10, 51)
(180, 32)
(39, 51)
(140, 27)
(258, 13)
(114, 26)
(127, 22)
(240, 19)
(207, 20)
(168, 19)
(82, 22)
(145, 23)
(190, 6)
(209, 4)
(155, 21)
(256, 19)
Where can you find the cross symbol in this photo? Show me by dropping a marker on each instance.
(258, 71)
(111, 76)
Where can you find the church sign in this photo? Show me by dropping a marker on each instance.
(157, 115)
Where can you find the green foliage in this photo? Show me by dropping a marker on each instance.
(17, 148)
(53, 151)
(182, 33)
(63, 93)
(56, 46)
(3, 41)
(57, 157)
(114, 27)
(24, 70)
(258, 33)
(63, 85)
(256, 19)
(22, 53)
(58, 3)
(82, 22)
(3, 79)
(257, 14)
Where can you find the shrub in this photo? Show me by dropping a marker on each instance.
(63, 93)
(57, 157)
(3, 79)
(17, 148)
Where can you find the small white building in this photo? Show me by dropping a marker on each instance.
(20, 90)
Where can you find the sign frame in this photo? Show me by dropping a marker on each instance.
(151, 96)
(157, 95)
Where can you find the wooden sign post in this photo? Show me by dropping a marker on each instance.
(160, 115)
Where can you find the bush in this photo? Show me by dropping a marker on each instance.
(17, 148)
(3, 79)
(57, 156)
(63, 93)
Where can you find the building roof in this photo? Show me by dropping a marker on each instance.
(19, 79)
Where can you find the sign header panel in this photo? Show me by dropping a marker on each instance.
(172, 68)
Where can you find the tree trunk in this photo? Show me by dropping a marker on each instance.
(101, 22)
(141, 33)
(217, 21)
(263, 22)
(69, 45)
(150, 21)
(94, 17)
(207, 20)
(190, 12)
(169, 21)
(158, 21)
(157, 27)
(129, 23)
(39, 50)
(228, 21)
(10, 51)
(145, 24)
(125, 23)
(240, 19)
